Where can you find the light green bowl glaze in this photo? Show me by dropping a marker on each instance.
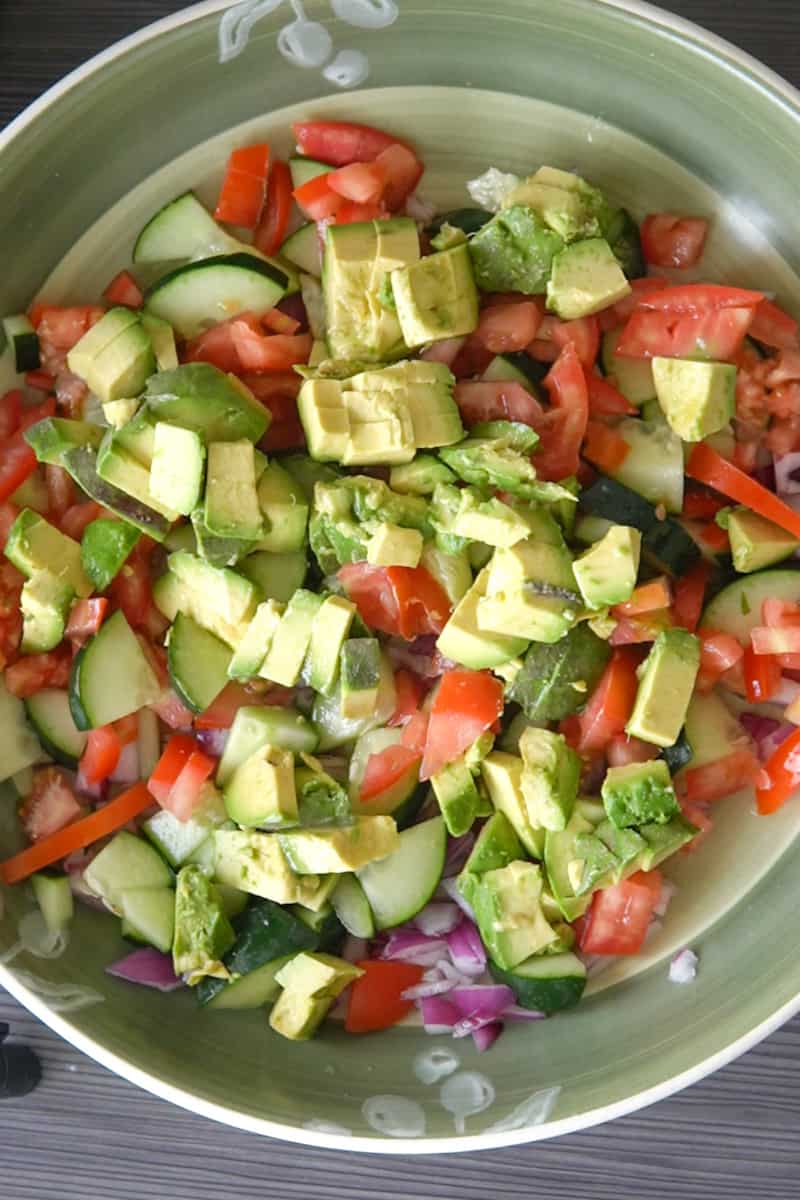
(660, 114)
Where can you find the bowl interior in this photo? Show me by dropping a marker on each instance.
(626, 1042)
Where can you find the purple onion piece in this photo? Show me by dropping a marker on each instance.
(213, 741)
(458, 851)
(765, 475)
(438, 1014)
(515, 1012)
(482, 999)
(787, 473)
(485, 1037)
(147, 967)
(428, 987)
(438, 918)
(410, 945)
(466, 949)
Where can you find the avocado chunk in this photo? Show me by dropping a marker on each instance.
(496, 845)
(200, 397)
(756, 543)
(550, 775)
(436, 297)
(662, 841)
(357, 259)
(464, 641)
(566, 203)
(50, 438)
(45, 602)
(82, 464)
(163, 340)
(231, 503)
(176, 471)
(122, 470)
(458, 797)
(248, 658)
(514, 252)
(320, 799)
(217, 598)
(335, 850)
(261, 791)
(360, 669)
(666, 682)
(347, 512)
(496, 463)
(565, 866)
(697, 398)
(451, 571)
(254, 862)
(556, 679)
(531, 588)
(331, 627)
(284, 510)
(607, 571)
(420, 476)
(35, 546)
(626, 845)
(393, 546)
(290, 642)
(507, 906)
(311, 983)
(119, 412)
(502, 776)
(585, 278)
(203, 934)
(105, 546)
(465, 514)
(639, 794)
(114, 357)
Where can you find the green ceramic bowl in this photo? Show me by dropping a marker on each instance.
(662, 115)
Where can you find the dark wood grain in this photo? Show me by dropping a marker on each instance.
(732, 1136)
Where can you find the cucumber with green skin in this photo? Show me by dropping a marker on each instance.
(198, 663)
(664, 542)
(49, 713)
(113, 656)
(545, 983)
(737, 608)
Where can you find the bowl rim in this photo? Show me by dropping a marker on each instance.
(777, 90)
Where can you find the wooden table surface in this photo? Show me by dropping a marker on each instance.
(733, 1135)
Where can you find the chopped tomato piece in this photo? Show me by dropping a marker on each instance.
(360, 182)
(131, 590)
(604, 447)
(186, 791)
(415, 734)
(496, 401)
(124, 290)
(220, 713)
(78, 516)
(244, 186)
(554, 334)
(563, 427)
(644, 628)
(317, 199)
(710, 468)
(280, 322)
(690, 592)
(669, 240)
(271, 229)
(695, 299)
(619, 916)
(508, 327)
(17, 463)
(604, 399)
(351, 213)
(376, 998)
(100, 758)
(405, 601)
(716, 333)
(780, 776)
(176, 754)
(697, 815)
(61, 492)
(718, 653)
(611, 703)
(85, 619)
(779, 614)
(30, 416)
(172, 711)
(410, 694)
(36, 671)
(10, 412)
(271, 352)
(622, 750)
(618, 314)
(385, 769)
(341, 142)
(718, 779)
(762, 675)
(50, 806)
(403, 171)
(773, 639)
(40, 381)
(466, 704)
(700, 505)
(773, 327)
(286, 430)
(63, 327)
(77, 835)
(647, 597)
(127, 728)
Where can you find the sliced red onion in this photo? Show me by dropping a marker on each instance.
(148, 967)
(515, 1012)
(769, 744)
(354, 949)
(765, 475)
(97, 792)
(456, 977)
(471, 1025)
(419, 656)
(683, 968)
(458, 851)
(482, 999)
(213, 741)
(294, 307)
(127, 768)
(757, 726)
(450, 888)
(438, 918)
(438, 1014)
(410, 945)
(485, 1037)
(787, 473)
(428, 987)
(466, 949)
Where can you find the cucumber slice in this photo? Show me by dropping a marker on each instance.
(546, 983)
(233, 900)
(126, 862)
(149, 740)
(49, 714)
(198, 663)
(517, 368)
(653, 466)
(398, 887)
(277, 575)
(257, 726)
(181, 229)
(54, 897)
(303, 249)
(711, 729)
(254, 990)
(19, 746)
(335, 729)
(176, 840)
(403, 799)
(737, 608)
(21, 339)
(202, 293)
(633, 376)
(352, 907)
(148, 915)
(110, 677)
(303, 170)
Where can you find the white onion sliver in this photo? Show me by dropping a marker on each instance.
(787, 467)
(683, 968)
(438, 918)
(432, 987)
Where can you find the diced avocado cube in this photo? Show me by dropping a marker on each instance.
(254, 862)
(249, 655)
(495, 463)
(607, 571)
(496, 845)
(231, 503)
(220, 600)
(199, 396)
(435, 417)
(217, 551)
(420, 476)
(514, 252)
(756, 543)
(451, 571)
(328, 635)
(291, 640)
(458, 796)
(626, 845)
(284, 509)
(639, 794)
(176, 472)
(360, 670)
(531, 588)
(34, 546)
(463, 640)
(565, 202)
(436, 297)
(261, 791)
(51, 437)
(320, 799)
(380, 422)
(163, 339)
(502, 775)
(594, 864)
(662, 841)
(508, 912)
(45, 602)
(325, 419)
(697, 398)
(559, 852)
(123, 364)
(585, 278)
(203, 934)
(556, 679)
(311, 983)
(119, 412)
(96, 339)
(121, 469)
(393, 546)
(550, 775)
(277, 576)
(335, 850)
(666, 682)
(137, 437)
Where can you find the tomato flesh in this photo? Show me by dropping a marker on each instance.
(619, 916)
(467, 703)
(376, 998)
